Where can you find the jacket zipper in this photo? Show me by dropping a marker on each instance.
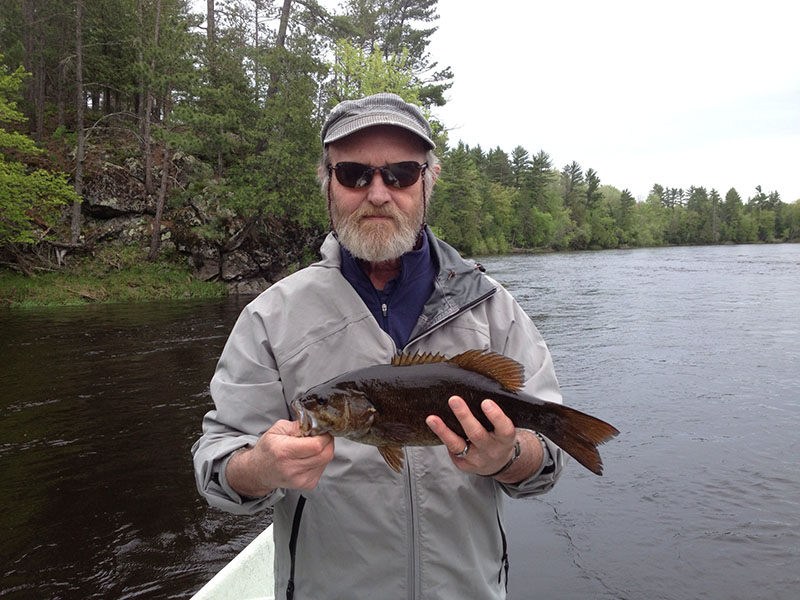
(412, 528)
(449, 318)
(504, 558)
(298, 514)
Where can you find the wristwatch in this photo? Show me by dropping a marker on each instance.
(511, 461)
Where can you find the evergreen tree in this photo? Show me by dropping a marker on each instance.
(392, 27)
(499, 169)
(520, 166)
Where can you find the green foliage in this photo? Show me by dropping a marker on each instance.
(240, 113)
(397, 28)
(487, 201)
(28, 198)
(113, 275)
(278, 176)
(358, 73)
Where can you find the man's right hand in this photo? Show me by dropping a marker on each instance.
(280, 459)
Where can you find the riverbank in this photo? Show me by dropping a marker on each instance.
(124, 275)
(118, 276)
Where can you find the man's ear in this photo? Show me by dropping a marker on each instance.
(436, 169)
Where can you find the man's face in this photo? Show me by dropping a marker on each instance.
(377, 222)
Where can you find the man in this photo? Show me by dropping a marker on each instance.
(345, 525)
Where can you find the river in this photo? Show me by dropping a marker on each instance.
(693, 353)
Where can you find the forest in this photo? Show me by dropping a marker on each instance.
(181, 127)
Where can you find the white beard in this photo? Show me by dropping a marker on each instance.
(381, 241)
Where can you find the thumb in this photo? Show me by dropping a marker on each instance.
(284, 427)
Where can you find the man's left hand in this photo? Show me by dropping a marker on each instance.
(488, 451)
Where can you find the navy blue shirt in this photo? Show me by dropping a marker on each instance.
(397, 306)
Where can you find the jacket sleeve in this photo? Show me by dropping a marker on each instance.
(524, 343)
(248, 399)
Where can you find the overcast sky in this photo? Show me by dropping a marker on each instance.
(700, 93)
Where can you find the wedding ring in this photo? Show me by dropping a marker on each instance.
(463, 453)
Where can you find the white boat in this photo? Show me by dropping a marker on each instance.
(249, 576)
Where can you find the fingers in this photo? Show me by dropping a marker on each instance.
(288, 460)
(474, 430)
(503, 426)
(452, 441)
(486, 448)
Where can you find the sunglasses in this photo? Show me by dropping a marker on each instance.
(399, 174)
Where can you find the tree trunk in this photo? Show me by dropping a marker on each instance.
(148, 112)
(138, 98)
(256, 66)
(211, 23)
(39, 78)
(155, 240)
(280, 44)
(75, 226)
(28, 11)
(61, 83)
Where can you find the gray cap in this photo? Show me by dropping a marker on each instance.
(379, 109)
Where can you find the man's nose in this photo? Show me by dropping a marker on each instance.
(377, 191)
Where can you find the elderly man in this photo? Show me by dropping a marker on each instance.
(345, 525)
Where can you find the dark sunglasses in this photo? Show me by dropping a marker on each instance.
(399, 174)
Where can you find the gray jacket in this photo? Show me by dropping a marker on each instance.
(365, 531)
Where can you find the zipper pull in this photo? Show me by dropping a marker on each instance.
(384, 309)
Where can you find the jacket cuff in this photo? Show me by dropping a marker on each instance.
(544, 477)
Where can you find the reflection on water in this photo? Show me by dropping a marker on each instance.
(99, 407)
(692, 353)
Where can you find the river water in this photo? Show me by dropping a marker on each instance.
(693, 353)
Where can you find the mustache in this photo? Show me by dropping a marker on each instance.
(375, 211)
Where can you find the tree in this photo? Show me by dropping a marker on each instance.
(358, 73)
(75, 228)
(731, 216)
(625, 218)
(455, 211)
(391, 28)
(593, 194)
(29, 199)
(498, 168)
(520, 166)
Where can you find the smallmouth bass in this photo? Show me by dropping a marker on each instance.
(386, 405)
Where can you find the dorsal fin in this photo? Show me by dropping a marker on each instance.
(418, 358)
(505, 371)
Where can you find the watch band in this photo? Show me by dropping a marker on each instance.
(507, 466)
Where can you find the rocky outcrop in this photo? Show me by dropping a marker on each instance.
(247, 255)
(260, 252)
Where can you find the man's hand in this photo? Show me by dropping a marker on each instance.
(489, 451)
(280, 459)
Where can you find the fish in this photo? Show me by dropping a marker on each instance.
(386, 405)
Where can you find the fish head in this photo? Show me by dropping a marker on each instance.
(340, 412)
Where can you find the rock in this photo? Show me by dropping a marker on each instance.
(208, 271)
(113, 193)
(248, 287)
(238, 265)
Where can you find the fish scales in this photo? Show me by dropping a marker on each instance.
(386, 405)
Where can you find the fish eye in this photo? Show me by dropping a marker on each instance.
(320, 400)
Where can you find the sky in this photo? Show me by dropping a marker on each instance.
(701, 93)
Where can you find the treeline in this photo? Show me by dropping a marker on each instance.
(492, 202)
(218, 112)
(218, 115)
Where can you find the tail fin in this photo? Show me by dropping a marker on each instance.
(579, 434)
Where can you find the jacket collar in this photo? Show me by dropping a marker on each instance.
(459, 284)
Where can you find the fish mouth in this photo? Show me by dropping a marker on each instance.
(306, 419)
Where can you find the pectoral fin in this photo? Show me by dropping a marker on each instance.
(393, 455)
